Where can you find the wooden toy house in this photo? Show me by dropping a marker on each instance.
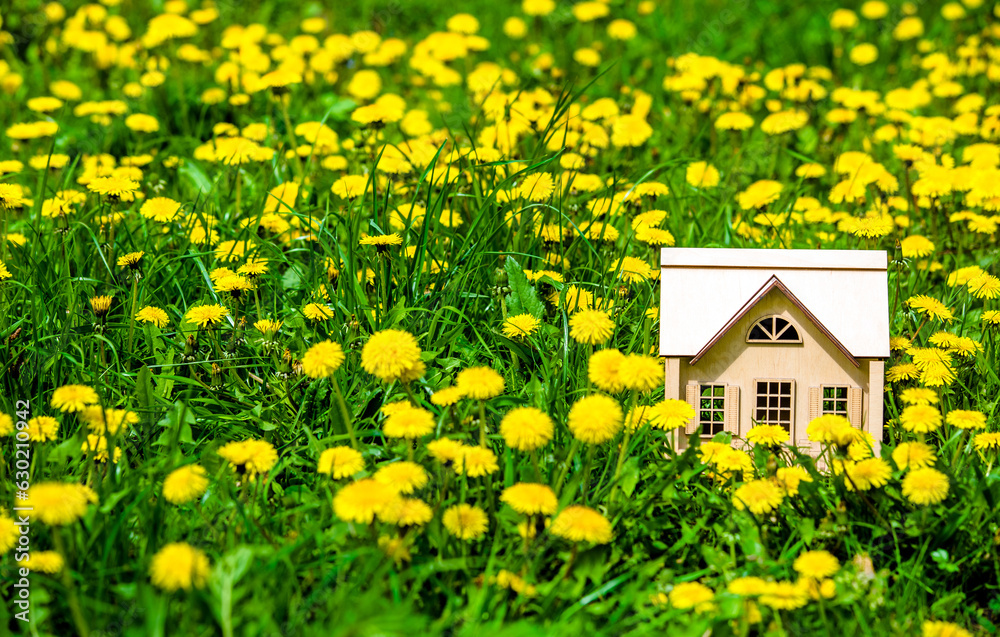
(775, 337)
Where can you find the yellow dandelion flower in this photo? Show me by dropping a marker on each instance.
(390, 354)
(479, 383)
(520, 326)
(595, 419)
(340, 462)
(185, 484)
(466, 522)
(154, 315)
(179, 566)
(206, 315)
(925, 486)
(322, 359)
(581, 524)
(526, 428)
(531, 499)
(913, 455)
(759, 497)
(71, 398)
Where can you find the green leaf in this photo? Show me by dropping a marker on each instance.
(338, 109)
(165, 384)
(177, 421)
(807, 527)
(630, 475)
(523, 297)
(110, 501)
(227, 572)
(292, 279)
(193, 173)
(808, 139)
(144, 393)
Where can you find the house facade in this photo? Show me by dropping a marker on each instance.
(775, 337)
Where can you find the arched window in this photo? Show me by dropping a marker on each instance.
(773, 329)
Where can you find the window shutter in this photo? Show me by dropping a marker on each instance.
(691, 396)
(815, 411)
(854, 395)
(732, 421)
(815, 403)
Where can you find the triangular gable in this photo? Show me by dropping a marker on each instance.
(772, 283)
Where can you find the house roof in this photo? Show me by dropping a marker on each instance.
(705, 290)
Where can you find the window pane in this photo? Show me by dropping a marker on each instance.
(786, 389)
(757, 334)
(786, 401)
(762, 401)
(841, 392)
(720, 390)
(761, 388)
(706, 390)
(706, 403)
(829, 392)
(772, 388)
(789, 335)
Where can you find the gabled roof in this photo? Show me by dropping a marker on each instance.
(772, 283)
(706, 290)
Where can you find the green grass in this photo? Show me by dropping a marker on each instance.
(282, 562)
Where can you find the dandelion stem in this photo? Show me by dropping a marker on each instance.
(239, 190)
(569, 460)
(71, 598)
(959, 447)
(482, 423)
(534, 463)
(623, 451)
(410, 394)
(587, 468)
(131, 316)
(344, 412)
(916, 332)
(291, 139)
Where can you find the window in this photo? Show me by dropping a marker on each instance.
(835, 400)
(774, 404)
(773, 329)
(840, 400)
(716, 406)
(712, 409)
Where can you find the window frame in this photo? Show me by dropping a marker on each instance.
(772, 332)
(712, 396)
(846, 411)
(791, 403)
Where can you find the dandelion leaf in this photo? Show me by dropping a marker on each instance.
(523, 297)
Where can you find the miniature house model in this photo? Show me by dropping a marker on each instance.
(775, 337)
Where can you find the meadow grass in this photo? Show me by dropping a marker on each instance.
(269, 544)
